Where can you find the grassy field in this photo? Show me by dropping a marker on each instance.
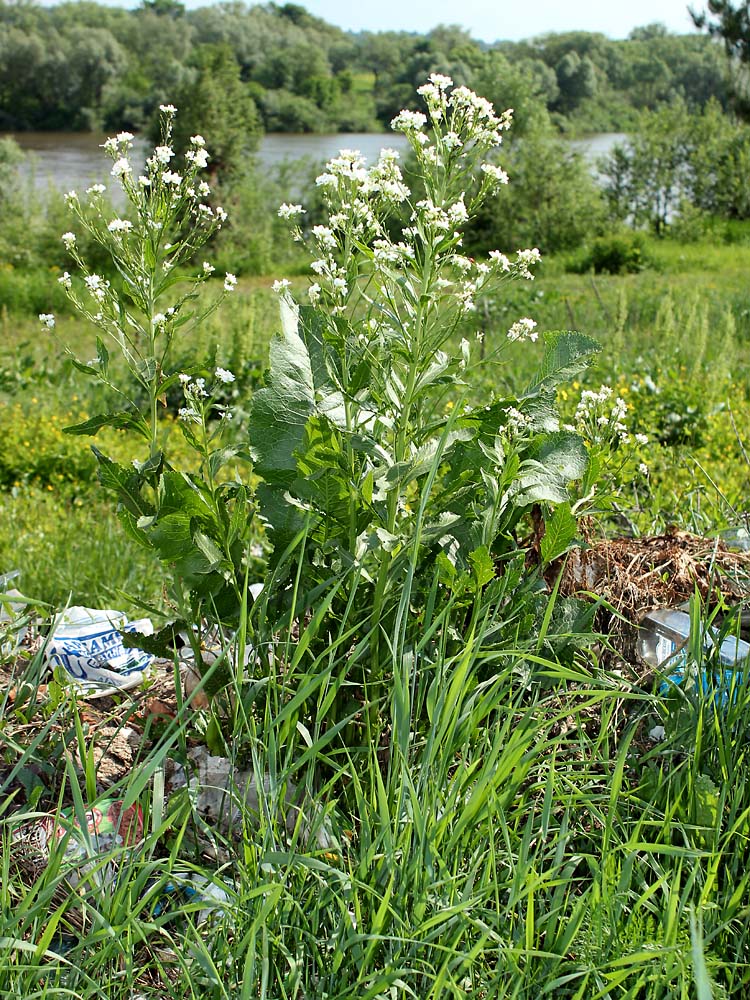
(517, 832)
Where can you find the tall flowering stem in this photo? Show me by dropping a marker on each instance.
(197, 521)
(167, 220)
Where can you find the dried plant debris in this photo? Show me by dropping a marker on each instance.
(634, 575)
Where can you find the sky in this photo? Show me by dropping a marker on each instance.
(494, 20)
(489, 20)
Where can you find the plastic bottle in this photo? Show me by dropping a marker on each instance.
(736, 538)
(662, 640)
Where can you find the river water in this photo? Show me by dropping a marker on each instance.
(74, 160)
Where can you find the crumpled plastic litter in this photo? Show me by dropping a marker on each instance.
(212, 647)
(87, 644)
(12, 629)
(109, 826)
(191, 889)
(224, 796)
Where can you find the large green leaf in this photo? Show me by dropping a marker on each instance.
(544, 476)
(559, 531)
(125, 483)
(566, 355)
(122, 419)
(280, 411)
(298, 386)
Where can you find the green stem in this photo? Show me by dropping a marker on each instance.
(402, 438)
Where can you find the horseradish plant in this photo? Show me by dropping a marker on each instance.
(374, 469)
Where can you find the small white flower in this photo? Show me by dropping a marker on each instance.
(120, 226)
(517, 422)
(313, 293)
(325, 237)
(641, 439)
(123, 138)
(280, 286)
(189, 414)
(168, 109)
(499, 260)
(69, 240)
(230, 280)
(643, 469)
(121, 167)
(159, 319)
(197, 156)
(208, 268)
(197, 140)
(287, 211)
(65, 280)
(97, 286)
(524, 261)
(495, 173)
(408, 121)
(221, 215)
(170, 177)
(204, 190)
(71, 196)
(523, 330)
(224, 375)
(144, 181)
(184, 379)
(163, 154)
(96, 189)
(47, 319)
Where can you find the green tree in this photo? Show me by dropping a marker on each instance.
(645, 181)
(731, 23)
(728, 21)
(551, 200)
(218, 105)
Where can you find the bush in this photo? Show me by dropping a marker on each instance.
(619, 253)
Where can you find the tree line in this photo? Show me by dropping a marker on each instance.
(83, 65)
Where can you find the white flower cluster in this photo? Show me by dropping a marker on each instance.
(516, 423)
(118, 144)
(120, 226)
(160, 176)
(195, 392)
(601, 416)
(496, 174)
(525, 260)
(468, 120)
(47, 320)
(290, 211)
(97, 286)
(359, 199)
(523, 329)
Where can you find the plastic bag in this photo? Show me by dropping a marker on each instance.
(87, 644)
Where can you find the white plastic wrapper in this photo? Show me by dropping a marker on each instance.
(12, 627)
(87, 644)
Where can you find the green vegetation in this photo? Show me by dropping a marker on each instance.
(458, 792)
(305, 75)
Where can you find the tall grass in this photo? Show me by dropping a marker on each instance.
(507, 839)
